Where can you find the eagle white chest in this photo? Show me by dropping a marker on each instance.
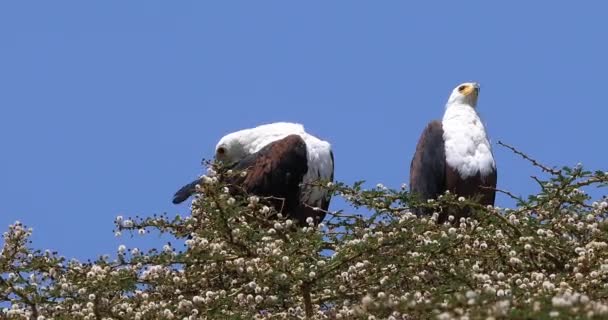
(467, 148)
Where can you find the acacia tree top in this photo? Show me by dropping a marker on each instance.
(546, 257)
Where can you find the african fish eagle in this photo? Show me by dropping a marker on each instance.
(455, 155)
(281, 160)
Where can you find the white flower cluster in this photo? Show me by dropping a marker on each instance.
(230, 260)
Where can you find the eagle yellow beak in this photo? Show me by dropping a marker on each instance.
(469, 88)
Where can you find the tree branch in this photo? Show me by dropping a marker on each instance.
(526, 157)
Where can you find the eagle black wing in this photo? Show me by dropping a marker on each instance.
(275, 171)
(427, 169)
(325, 202)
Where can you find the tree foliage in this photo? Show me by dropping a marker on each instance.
(545, 258)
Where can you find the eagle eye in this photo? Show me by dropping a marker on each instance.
(221, 151)
(462, 88)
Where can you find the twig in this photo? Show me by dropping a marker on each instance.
(512, 196)
(334, 213)
(526, 157)
(589, 181)
(307, 299)
(540, 183)
(23, 295)
(227, 228)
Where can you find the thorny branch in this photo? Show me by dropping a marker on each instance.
(526, 157)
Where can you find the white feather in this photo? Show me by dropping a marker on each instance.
(467, 148)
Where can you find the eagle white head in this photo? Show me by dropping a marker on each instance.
(235, 146)
(464, 94)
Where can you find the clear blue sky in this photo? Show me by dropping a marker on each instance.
(107, 107)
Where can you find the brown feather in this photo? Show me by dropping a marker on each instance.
(476, 187)
(276, 172)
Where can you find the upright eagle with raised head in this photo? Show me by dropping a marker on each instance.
(281, 160)
(454, 154)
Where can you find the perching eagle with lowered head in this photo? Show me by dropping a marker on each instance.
(454, 154)
(281, 160)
